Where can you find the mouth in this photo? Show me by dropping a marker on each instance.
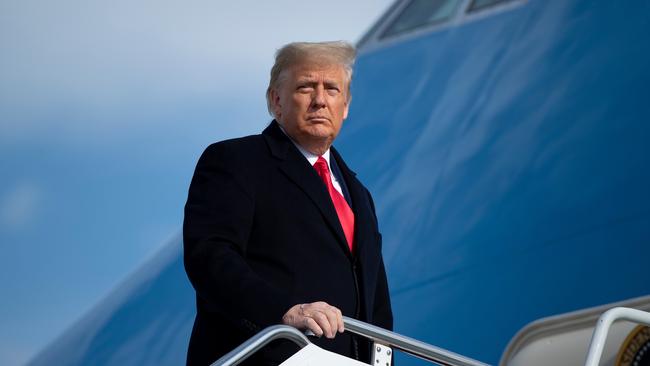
(318, 119)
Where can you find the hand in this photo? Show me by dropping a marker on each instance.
(319, 317)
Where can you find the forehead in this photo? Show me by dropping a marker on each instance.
(330, 72)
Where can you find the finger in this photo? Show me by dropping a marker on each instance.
(311, 324)
(334, 316)
(323, 323)
(332, 319)
(339, 318)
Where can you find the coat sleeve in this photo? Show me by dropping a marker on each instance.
(218, 219)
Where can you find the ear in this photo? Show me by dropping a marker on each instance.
(347, 107)
(274, 96)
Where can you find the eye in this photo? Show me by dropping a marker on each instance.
(333, 90)
(304, 88)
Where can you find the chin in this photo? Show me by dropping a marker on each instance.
(319, 131)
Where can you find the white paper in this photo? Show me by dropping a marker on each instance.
(312, 355)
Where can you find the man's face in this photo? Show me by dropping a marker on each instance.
(311, 104)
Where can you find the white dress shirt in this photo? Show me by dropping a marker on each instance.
(311, 158)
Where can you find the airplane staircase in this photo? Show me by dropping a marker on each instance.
(384, 341)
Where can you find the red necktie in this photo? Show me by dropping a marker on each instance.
(343, 210)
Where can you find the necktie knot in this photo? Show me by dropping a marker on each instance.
(323, 170)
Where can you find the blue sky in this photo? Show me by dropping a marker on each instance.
(104, 109)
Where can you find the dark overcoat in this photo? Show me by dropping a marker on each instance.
(261, 234)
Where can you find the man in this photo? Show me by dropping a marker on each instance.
(278, 229)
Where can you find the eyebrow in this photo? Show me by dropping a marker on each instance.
(312, 81)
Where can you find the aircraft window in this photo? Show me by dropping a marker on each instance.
(420, 13)
(482, 4)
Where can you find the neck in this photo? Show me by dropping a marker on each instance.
(314, 146)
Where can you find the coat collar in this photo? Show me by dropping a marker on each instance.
(280, 145)
(294, 165)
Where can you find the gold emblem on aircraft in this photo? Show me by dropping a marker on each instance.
(635, 350)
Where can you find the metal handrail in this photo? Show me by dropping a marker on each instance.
(374, 333)
(260, 340)
(602, 328)
(408, 345)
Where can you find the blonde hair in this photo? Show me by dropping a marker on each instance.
(325, 53)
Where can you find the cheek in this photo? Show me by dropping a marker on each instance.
(341, 109)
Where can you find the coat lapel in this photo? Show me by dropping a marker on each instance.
(300, 172)
(363, 218)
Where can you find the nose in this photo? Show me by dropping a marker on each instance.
(318, 99)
